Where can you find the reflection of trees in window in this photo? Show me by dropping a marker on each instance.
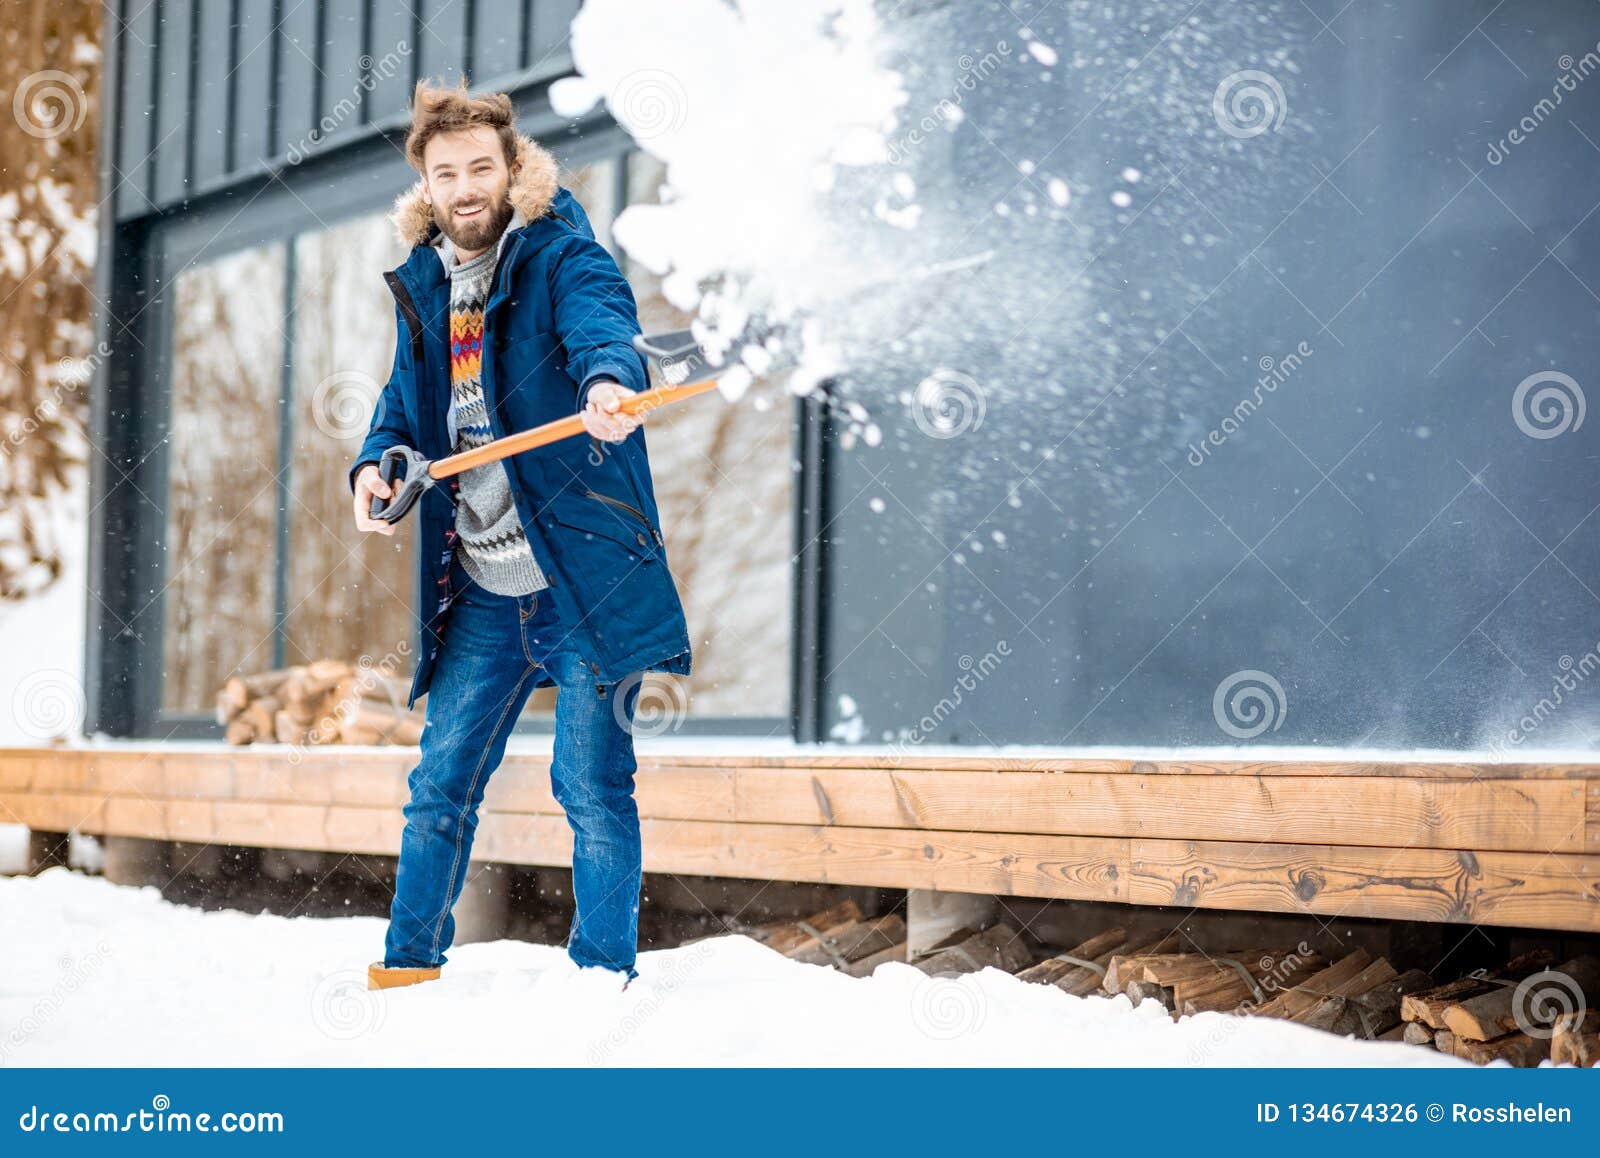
(723, 481)
(349, 594)
(222, 492)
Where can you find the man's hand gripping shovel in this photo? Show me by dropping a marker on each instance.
(684, 369)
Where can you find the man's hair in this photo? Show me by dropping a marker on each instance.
(436, 109)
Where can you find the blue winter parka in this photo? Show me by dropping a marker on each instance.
(559, 318)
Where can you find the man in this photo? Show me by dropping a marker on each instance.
(549, 567)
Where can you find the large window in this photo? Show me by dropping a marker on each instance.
(223, 470)
(279, 353)
(349, 593)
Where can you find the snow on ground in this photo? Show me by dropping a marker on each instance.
(42, 696)
(97, 974)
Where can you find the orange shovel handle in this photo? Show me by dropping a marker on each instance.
(640, 403)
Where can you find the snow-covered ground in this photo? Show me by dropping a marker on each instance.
(97, 974)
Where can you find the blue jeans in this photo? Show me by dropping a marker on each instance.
(492, 651)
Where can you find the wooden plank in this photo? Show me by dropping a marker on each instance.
(689, 793)
(1539, 816)
(1593, 815)
(1171, 766)
(680, 755)
(1555, 891)
(1535, 816)
(1543, 891)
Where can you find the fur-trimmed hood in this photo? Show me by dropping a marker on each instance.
(534, 185)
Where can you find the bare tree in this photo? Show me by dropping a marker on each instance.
(49, 82)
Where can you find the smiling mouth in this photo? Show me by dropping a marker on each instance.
(472, 212)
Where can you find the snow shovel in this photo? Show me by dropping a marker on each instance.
(683, 365)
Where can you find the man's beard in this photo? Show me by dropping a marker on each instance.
(481, 231)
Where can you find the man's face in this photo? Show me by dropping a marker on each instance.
(466, 178)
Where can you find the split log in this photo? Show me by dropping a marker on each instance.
(286, 729)
(865, 966)
(1049, 970)
(1227, 990)
(1192, 982)
(1139, 992)
(260, 713)
(1314, 988)
(1416, 1033)
(1374, 1013)
(1084, 981)
(999, 945)
(788, 936)
(366, 722)
(1576, 1040)
(326, 701)
(1534, 1003)
(1517, 1048)
(1334, 1002)
(849, 943)
(1428, 1007)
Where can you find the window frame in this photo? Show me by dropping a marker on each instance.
(358, 181)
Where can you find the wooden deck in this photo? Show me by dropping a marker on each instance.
(1497, 844)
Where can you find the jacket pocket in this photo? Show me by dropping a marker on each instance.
(615, 520)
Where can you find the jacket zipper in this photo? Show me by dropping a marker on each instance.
(408, 310)
(631, 509)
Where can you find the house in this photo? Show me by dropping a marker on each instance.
(1243, 454)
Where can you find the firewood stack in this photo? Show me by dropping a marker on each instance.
(1485, 1017)
(843, 938)
(325, 702)
(1524, 1012)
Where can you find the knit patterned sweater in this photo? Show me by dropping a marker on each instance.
(490, 542)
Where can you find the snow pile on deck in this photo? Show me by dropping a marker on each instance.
(96, 974)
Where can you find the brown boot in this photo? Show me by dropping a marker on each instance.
(380, 976)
